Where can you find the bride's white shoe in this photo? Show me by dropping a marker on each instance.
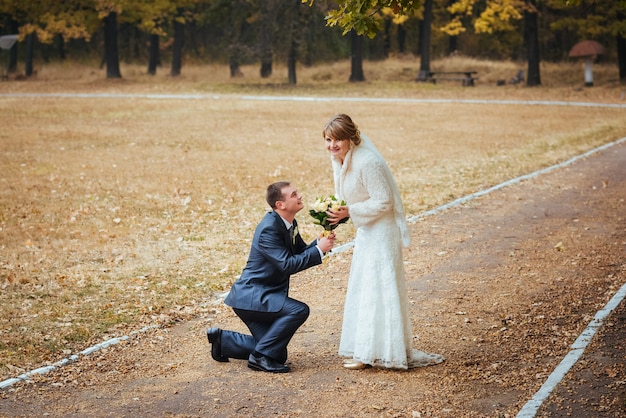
(354, 364)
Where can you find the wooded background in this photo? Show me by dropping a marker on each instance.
(238, 32)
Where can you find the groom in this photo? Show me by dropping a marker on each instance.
(260, 296)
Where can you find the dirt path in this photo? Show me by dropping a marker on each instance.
(501, 286)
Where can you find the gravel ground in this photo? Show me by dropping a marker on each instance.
(502, 286)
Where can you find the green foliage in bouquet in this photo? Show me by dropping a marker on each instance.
(320, 206)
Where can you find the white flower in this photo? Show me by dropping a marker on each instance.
(335, 205)
(320, 205)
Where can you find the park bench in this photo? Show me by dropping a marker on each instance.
(466, 78)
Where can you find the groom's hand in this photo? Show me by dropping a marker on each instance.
(326, 243)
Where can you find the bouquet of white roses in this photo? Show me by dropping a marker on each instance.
(320, 206)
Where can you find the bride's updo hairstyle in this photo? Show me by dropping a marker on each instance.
(341, 128)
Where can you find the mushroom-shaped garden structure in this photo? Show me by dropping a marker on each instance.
(590, 51)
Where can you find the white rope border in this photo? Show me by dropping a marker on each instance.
(313, 99)
(42, 370)
(577, 348)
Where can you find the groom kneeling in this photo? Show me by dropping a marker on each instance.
(260, 296)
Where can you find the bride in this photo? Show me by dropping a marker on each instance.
(376, 327)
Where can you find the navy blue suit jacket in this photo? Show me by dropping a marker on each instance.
(274, 257)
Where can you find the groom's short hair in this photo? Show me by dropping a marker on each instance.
(275, 193)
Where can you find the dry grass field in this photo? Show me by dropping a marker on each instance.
(131, 207)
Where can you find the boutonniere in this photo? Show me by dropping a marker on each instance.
(295, 233)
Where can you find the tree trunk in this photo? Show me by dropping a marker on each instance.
(291, 62)
(266, 64)
(127, 38)
(401, 39)
(292, 56)
(234, 51)
(60, 43)
(420, 35)
(425, 41)
(193, 38)
(356, 71)
(111, 49)
(267, 27)
(234, 58)
(153, 58)
(235, 69)
(452, 45)
(12, 65)
(177, 48)
(136, 42)
(30, 46)
(621, 57)
(532, 41)
(452, 40)
(266, 61)
(387, 37)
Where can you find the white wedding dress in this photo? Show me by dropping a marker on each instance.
(376, 327)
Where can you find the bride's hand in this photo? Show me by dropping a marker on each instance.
(335, 216)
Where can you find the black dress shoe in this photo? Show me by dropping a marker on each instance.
(215, 338)
(266, 364)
